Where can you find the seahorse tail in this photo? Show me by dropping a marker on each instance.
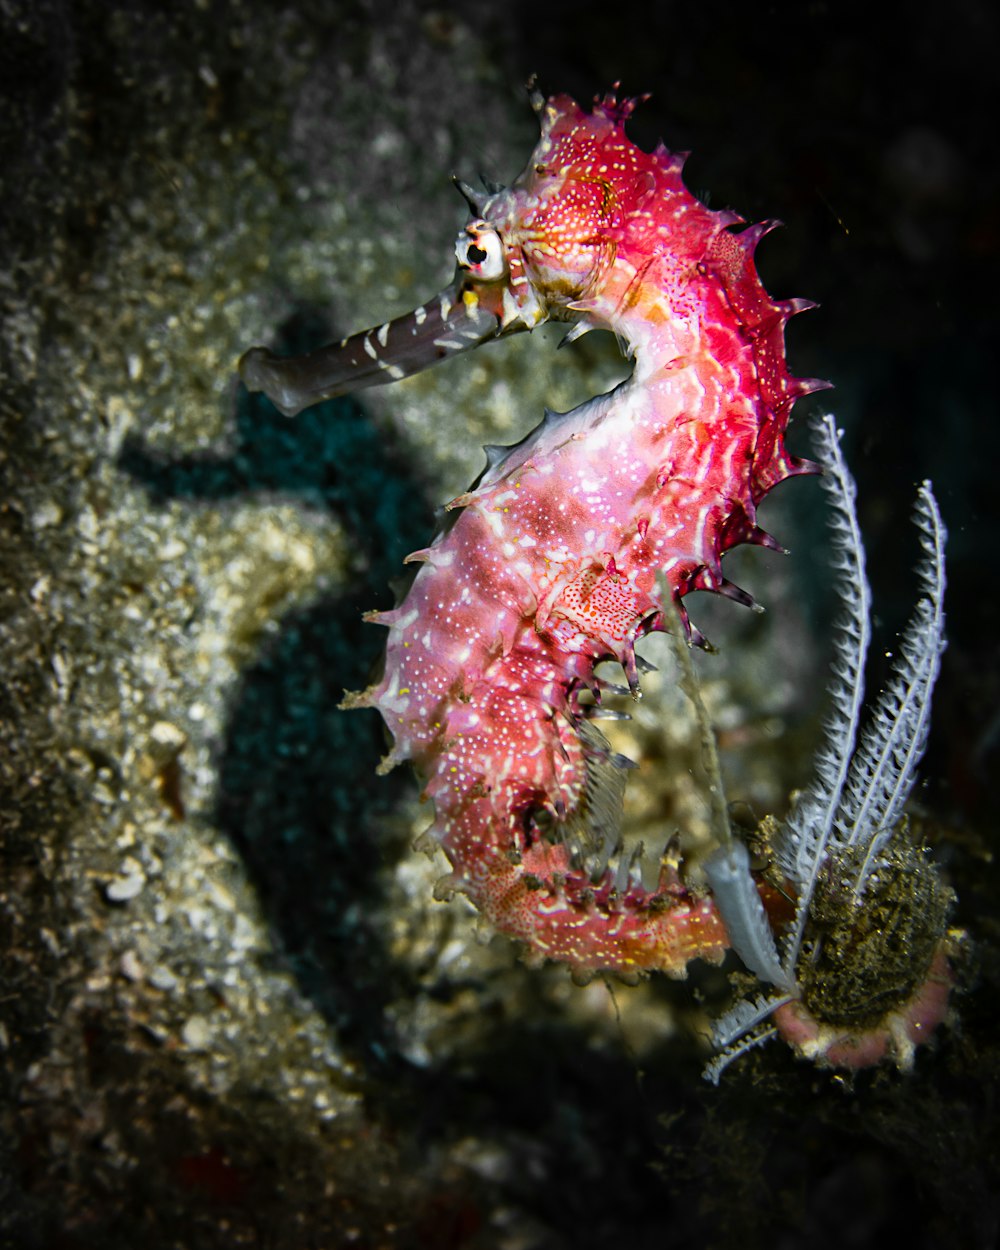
(538, 897)
(538, 851)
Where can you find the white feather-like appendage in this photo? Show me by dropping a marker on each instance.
(883, 770)
(739, 1030)
(801, 847)
(856, 800)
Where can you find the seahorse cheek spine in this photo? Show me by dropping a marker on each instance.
(553, 562)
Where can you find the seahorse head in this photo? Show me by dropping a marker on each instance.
(573, 237)
(547, 246)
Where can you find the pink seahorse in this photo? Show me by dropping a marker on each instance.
(558, 557)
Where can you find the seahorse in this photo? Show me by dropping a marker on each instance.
(583, 537)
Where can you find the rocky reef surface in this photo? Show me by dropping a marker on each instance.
(231, 1013)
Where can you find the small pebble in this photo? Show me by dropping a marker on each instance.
(124, 887)
(196, 1033)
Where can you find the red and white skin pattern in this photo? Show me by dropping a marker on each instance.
(556, 560)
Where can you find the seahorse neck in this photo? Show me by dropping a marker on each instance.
(639, 310)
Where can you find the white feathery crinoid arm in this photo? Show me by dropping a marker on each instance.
(740, 1029)
(858, 795)
(883, 770)
(805, 836)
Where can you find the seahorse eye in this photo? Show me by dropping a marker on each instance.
(480, 250)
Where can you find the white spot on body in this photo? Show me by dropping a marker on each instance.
(699, 529)
(495, 521)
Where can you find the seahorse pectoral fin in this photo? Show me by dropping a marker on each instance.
(452, 322)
